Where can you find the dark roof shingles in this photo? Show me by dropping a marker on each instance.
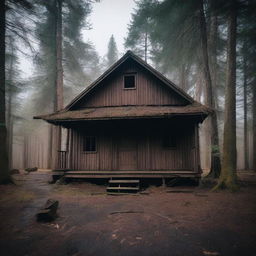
(125, 112)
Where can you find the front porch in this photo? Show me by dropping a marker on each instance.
(131, 148)
(67, 173)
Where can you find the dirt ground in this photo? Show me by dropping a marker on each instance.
(160, 221)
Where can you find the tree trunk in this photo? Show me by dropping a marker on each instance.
(215, 150)
(228, 177)
(59, 68)
(9, 109)
(58, 101)
(254, 124)
(246, 153)
(199, 84)
(213, 54)
(10, 139)
(183, 77)
(4, 164)
(146, 47)
(215, 157)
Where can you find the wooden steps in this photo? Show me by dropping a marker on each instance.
(124, 181)
(122, 186)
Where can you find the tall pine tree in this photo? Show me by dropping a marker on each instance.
(112, 54)
(228, 177)
(4, 164)
(11, 26)
(62, 51)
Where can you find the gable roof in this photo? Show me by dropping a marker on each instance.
(127, 56)
(194, 108)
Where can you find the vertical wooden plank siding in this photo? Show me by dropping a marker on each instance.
(148, 91)
(197, 153)
(151, 155)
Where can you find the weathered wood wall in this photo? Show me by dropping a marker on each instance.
(123, 148)
(149, 90)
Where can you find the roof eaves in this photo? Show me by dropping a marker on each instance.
(125, 117)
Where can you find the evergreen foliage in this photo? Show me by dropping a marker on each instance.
(10, 28)
(180, 46)
(80, 60)
(186, 40)
(112, 54)
(140, 29)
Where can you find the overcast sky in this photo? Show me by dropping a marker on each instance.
(109, 17)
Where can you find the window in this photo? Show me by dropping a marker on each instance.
(169, 142)
(89, 144)
(129, 81)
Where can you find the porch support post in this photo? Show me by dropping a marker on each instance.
(163, 182)
(197, 153)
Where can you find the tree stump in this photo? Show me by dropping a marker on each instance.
(48, 212)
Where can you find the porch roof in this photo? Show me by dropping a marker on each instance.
(126, 112)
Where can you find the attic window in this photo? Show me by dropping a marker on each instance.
(169, 142)
(89, 144)
(129, 81)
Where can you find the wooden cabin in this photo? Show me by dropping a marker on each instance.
(130, 122)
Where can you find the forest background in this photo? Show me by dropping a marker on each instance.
(206, 47)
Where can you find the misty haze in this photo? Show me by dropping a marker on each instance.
(127, 127)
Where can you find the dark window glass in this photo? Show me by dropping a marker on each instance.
(169, 142)
(129, 81)
(89, 144)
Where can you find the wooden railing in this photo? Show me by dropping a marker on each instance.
(62, 159)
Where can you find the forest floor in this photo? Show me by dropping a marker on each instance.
(161, 221)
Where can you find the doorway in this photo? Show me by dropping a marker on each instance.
(127, 153)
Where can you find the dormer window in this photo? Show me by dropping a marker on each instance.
(129, 81)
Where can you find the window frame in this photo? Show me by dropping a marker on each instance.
(85, 137)
(135, 81)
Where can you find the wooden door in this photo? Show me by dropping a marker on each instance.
(127, 153)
